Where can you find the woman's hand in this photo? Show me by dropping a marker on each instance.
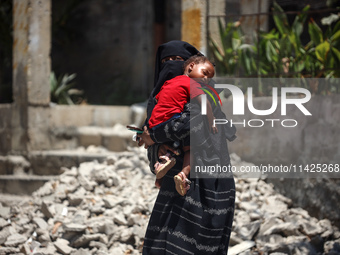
(145, 138)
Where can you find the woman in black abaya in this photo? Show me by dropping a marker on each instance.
(199, 222)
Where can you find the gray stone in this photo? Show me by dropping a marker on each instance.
(62, 246)
(86, 183)
(127, 236)
(86, 168)
(120, 219)
(111, 201)
(248, 206)
(43, 236)
(86, 239)
(242, 217)
(311, 229)
(41, 223)
(269, 223)
(332, 247)
(6, 232)
(45, 190)
(47, 210)
(75, 200)
(73, 227)
(138, 231)
(124, 163)
(285, 229)
(247, 231)
(9, 250)
(5, 212)
(3, 223)
(234, 239)
(98, 245)
(15, 239)
(81, 252)
(237, 249)
(25, 249)
(269, 240)
(111, 160)
(273, 205)
(134, 219)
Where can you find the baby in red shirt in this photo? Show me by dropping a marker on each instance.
(174, 94)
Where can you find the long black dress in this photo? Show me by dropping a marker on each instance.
(200, 222)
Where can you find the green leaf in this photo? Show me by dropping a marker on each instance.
(315, 32)
(322, 50)
(336, 36)
(280, 19)
(336, 27)
(336, 53)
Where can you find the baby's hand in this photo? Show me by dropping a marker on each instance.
(214, 130)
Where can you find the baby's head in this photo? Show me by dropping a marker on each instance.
(199, 67)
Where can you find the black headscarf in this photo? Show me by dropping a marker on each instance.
(169, 69)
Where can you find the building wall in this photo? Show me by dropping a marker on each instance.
(109, 45)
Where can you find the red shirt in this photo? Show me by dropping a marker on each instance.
(172, 97)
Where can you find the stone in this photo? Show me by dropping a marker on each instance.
(120, 219)
(45, 190)
(25, 249)
(47, 210)
(85, 239)
(9, 250)
(332, 247)
(15, 239)
(111, 160)
(110, 201)
(43, 236)
(75, 199)
(3, 223)
(237, 249)
(311, 229)
(81, 252)
(269, 223)
(86, 183)
(248, 206)
(273, 205)
(5, 212)
(285, 229)
(247, 231)
(126, 236)
(73, 227)
(234, 239)
(41, 223)
(62, 246)
(98, 245)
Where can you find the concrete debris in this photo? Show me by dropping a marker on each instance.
(104, 208)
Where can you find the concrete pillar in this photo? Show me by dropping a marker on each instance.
(193, 28)
(250, 24)
(31, 66)
(215, 8)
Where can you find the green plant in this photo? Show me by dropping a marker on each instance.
(280, 52)
(62, 91)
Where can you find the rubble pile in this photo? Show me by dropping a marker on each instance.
(103, 208)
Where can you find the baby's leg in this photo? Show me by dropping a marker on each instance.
(181, 180)
(186, 161)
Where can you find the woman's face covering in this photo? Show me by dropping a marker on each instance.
(170, 69)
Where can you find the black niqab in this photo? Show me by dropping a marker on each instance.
(169, 69)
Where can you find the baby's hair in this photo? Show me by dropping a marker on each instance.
(197, 59)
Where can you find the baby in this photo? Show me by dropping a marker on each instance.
(174, 94)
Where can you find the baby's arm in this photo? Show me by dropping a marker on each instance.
(210, 114)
